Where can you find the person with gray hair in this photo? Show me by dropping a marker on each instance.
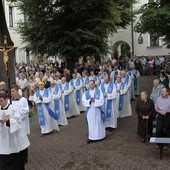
(144, 110)
(157, 90)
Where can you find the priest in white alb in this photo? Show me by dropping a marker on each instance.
(92, 76)
(85, 80)
(134, 73)
(122, 101)
(56, 104)
(68, 98)
(77, 84)
(47, 118)
(93, 100)
(13, 139)
(109, 93)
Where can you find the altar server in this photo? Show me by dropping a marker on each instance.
(13, 139)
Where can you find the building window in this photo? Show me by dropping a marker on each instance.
(154, 40)
(11, 19)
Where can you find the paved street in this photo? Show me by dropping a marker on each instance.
(68, 149)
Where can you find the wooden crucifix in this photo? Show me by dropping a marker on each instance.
(5, 50)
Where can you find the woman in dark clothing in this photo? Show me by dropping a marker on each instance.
(145, 110)
(164, 79)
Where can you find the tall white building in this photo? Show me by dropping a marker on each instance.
(13, 16)
(140, 45)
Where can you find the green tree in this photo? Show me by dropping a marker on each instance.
(72, 28)
(155, 19)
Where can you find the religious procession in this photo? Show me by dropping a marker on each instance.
(103, 92)
(59, 96)
(84, 85)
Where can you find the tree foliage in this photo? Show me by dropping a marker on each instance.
(155, 19)
(72, 28)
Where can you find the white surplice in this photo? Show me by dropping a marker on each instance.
(50, 123)
(22, 105)
(73, 108)
(13, 138)
(57, 96)
(110, 122)
(96, 126)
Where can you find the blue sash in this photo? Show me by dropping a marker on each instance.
(93, 78)
(86, 80)
(78, 81)
(66, 97)
(56, 102)
(129, 73)
(40, 109)
(121, 97)
(108, 108)
(116, 73)
(126, 79)
(97, 97)
(40, 114)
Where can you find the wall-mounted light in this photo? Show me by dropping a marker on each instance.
(140, 39)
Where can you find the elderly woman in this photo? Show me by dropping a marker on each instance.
(145, 110)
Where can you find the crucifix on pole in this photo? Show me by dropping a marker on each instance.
(5, 50)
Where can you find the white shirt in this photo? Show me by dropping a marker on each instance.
(22, 83)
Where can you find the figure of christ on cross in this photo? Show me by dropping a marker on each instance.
(5, 50)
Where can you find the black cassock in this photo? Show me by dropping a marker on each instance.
(145, 109)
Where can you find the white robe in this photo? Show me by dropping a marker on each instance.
(93, 78)
(73, 108)
(50, 123)
(113, 76)
(58, 82)
(137, 75)
(96, 126)
(22, 105)
(85, 86)
(110, 122)
(12, 139)
(128, 85)
(126, 110)
(80, 87)
(63, 118)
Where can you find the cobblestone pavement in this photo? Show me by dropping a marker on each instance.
(68, 150)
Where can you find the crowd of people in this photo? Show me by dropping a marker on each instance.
(103, 90)
(56, 91)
